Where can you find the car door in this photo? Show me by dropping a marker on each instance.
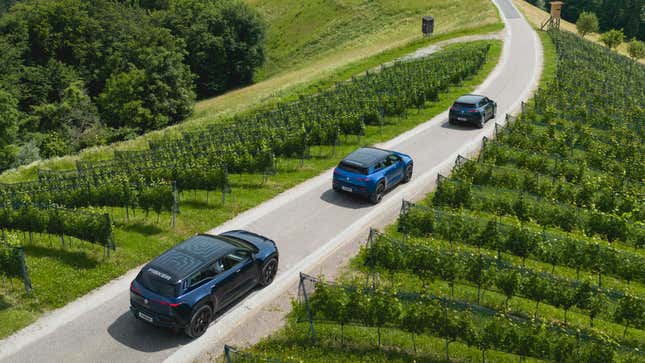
(238, 276)
(489, 107)
(393, 171)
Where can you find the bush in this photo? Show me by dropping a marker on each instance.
(587, 23)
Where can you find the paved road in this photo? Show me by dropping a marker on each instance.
(308, 222)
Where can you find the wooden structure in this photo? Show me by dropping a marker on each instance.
(553, 22)
(427, 25)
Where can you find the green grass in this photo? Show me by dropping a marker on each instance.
(60, 275)
(359, 345)
(304, 32)
(550, 55)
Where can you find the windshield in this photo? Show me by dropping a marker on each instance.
(352, 168)
(157, 285)
(464, 105)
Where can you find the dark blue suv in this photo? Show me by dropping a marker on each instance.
(472, 109)
(369, 172)
(186, 285)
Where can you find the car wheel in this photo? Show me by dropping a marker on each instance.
(480, 125)
(200, 321)
(269, 270)
(335, 188)
(408, 174)
(377, 196)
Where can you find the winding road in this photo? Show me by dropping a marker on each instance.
(309, 222)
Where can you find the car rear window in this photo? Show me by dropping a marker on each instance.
(464, 105)
(352, 168)
(157, 285)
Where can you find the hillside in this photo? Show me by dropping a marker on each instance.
(316, 55)
(536, 16)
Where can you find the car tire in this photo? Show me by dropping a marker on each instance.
(480, 124)
(269, 270)
(336, 189)
(199, 321)
(377, 196)
(408, 173)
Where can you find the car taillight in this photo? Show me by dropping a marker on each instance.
(473, 111)
(362, 179)
(172, 305)
(336, 172)
(134, 289)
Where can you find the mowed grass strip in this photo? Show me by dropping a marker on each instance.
(58, 278)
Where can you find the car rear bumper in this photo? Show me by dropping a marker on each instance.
(160, 320)
(350, 188)
(474, 119)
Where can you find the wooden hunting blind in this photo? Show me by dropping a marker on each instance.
(427, 25)
(554, 19)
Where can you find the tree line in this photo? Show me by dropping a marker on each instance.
(612, 14)
(79, 73)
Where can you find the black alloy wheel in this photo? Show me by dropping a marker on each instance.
(377, 196)
(269, 270)
(200, 321)
(408, 174)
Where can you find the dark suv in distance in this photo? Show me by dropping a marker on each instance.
(186, 285)
(472, 109)
(369, 172)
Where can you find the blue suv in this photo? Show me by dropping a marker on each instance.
(186, 285)
(472, 109)
(370, 172)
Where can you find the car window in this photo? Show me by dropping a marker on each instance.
(157, 285)
(378, 166)
(205, 275)
(352, 168)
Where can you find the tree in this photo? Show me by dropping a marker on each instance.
(636, 49)
(415, 319)
(224, 40)
(9, 119)
(509, 282)
(612, 38)
(564, 297)
(382, 308)
(536, 289)
(476, 271)
(630, 311)
(448, 269)
(587, 23)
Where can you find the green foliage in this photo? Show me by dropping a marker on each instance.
(553, 248)
(587, 23)
(10, 118)
(88, 226)
(64, 59)
(614, 14)
(612, 38)
(636, 49)
(453, 321)
(10, 262)
(224, 41)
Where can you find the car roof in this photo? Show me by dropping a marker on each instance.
(191, 255)
(366, 156)
(470, 98)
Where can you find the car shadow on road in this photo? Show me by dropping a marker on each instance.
(464, 126)
(345, 200)
(138, 335)
(141, 336)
